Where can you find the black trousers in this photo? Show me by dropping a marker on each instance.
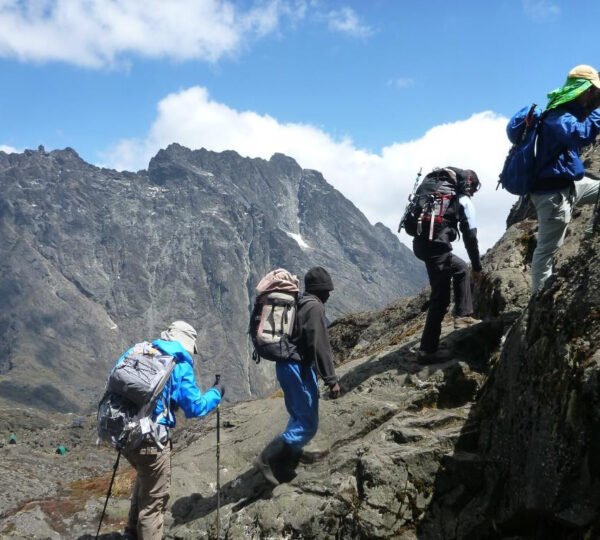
(444, 270)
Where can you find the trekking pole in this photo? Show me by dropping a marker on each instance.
(410, 198)
(217, 379)
(116, 466)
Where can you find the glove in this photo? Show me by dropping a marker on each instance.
(221, 389)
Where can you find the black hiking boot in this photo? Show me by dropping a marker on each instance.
(278, 461)
(289, 458)
(436, 357)
(267, 459)
(129, 534)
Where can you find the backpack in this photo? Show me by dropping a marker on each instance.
(519, 170)
(432, 211)
(134, 385)
(273, 316)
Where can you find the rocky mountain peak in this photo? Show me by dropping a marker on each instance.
(94, 260)
(497, 442)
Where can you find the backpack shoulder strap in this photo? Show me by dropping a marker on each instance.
(555, 155)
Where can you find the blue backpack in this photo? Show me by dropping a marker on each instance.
(519, 170)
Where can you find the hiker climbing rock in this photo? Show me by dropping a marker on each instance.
(151, 454)
(297, 376)
(570, 122)
(440, 206)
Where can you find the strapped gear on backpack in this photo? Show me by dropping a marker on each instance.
(432, 212)
(272, 319)
(133, 388)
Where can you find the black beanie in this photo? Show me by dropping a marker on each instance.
(318, 279)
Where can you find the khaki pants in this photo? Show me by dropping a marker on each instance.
(554, 214)
(151, 491)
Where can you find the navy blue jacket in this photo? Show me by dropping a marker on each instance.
(563, 133)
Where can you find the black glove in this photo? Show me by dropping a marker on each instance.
(221, 389)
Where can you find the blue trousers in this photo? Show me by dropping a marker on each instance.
(301, 394)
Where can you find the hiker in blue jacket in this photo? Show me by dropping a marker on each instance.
(298, 379)
(152, 461)
(572, 122)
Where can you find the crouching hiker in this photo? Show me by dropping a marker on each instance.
(147, 384)
(297, 376)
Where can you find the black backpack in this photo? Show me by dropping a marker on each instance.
(432, 211)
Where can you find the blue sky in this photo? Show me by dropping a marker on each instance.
(365, 91)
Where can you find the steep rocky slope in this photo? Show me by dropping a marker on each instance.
(402, 454)
(498, 442)
(92, 260)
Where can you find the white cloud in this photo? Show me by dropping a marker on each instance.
(401, 82)
(541, 10)
(346, 20)
(8, 149)
(97, 33)
(378, 183)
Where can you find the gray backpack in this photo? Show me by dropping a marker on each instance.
(132, 391)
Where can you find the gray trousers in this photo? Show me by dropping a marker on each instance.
(151, 491)
(554, 214)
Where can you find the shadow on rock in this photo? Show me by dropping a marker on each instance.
(401, 360)
(247, 488)
(475, 494)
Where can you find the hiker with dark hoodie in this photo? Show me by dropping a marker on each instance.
(570, 122)
(298, 379)
(151, 462)
(445, 270)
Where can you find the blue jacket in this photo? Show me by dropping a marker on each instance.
(563, 133)
(182, 389)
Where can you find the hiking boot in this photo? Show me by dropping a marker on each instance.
(464, 322)
(434, 357)
(129, 534)
(266, 460)
(313, 454)
(285, 470)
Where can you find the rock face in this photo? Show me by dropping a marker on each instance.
(499, 442)
(94, 260)
(373, 468)
(591, 160)
(533, 471)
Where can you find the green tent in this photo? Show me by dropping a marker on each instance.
(61, 450)
(12, 439)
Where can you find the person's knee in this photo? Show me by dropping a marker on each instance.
(441, 301)
(312, 431)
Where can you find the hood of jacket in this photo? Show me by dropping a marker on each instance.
(175, 349)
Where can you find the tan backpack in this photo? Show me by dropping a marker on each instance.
(272, 320)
